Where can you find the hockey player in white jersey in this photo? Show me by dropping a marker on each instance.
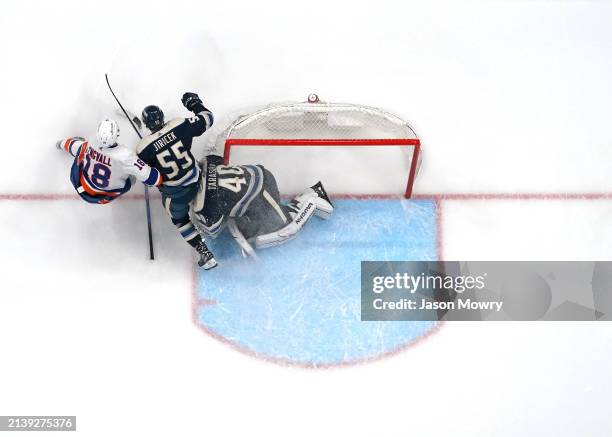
(100, 173)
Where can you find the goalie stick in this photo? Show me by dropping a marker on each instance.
(146, 189)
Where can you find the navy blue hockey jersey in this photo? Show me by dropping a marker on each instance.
(169, 149)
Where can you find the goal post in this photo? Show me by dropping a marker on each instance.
(355, 150)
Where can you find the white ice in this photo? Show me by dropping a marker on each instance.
(507, 96)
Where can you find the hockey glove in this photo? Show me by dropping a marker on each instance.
(192, 102)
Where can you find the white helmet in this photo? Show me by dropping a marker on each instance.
(107, 133)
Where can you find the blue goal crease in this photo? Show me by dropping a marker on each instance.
(301, 302)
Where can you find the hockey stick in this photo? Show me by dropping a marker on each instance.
(146, 189)
(130, 116)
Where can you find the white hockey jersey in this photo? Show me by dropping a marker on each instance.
(107, 172)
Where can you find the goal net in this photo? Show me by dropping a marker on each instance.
(355, 150)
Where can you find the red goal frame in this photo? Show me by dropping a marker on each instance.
(414, 142)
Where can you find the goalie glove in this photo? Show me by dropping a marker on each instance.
(192, 102)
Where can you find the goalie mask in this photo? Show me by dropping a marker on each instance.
(107, 133)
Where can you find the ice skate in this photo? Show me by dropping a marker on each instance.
(207, 260)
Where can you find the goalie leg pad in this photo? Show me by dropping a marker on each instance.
(288, 232)
(247, 249)
(318, 196)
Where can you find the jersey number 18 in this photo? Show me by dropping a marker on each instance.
(100, 174)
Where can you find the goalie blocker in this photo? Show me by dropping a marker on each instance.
(246, 199)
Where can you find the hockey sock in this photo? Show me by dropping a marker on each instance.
(188, 231)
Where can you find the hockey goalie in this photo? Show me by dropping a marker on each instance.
(208, 196)
(246, 199)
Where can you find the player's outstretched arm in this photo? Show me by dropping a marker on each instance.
(70, 145)
(142, 171)
(204, 118)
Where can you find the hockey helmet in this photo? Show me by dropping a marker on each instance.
(107, 133)
(153, 118)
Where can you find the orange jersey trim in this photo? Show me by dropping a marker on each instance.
(82, 152)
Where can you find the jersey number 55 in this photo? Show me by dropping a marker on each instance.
(173, 157)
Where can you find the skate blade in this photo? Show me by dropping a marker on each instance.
(211, 264)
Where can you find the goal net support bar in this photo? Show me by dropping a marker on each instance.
(414, 143)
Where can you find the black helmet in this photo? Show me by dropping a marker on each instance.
(153, 118)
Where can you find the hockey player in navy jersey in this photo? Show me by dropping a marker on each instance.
(102, 172)
(168, 149)
(244, 198)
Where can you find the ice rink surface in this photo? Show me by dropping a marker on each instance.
(512, 101)
(308, 312)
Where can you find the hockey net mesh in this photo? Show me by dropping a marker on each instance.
(361, 150)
